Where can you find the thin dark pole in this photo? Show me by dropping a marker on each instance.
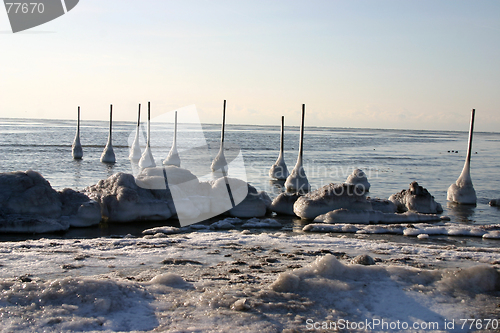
(302, 130)
(78, 124)
(139, 116)
(149, 120)
(110, 118)
(223, 122)
(175, 128)
(282, 132)
(469, 150)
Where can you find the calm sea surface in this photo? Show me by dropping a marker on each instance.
(391, 158)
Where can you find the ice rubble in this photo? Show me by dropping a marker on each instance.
(343, 215)
(416, 199)
(28, 204)
(151, 196)
(415, 229)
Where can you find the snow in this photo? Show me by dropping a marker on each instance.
(416, 199)
(217, 280)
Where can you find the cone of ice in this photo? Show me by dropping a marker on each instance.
(173, 155)
(108, 155)
(219, 162)
(76, 148)
(297, 180)
(279, 170)
(147, 160)
(135, 150)
(462, 192)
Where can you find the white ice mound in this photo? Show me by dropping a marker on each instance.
(279, 170)
(416, 199)
(330, 197)
(122, 200)
(76, 148)
(372, 216)
(462, 191)
(297, 180)
(495, 202)
(29, 204)
(283, 203)
(358, 178)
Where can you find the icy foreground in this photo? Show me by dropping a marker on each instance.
(218, 281)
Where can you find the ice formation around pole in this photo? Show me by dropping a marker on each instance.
(147, 160)
(297, 180)
(173, 155)
(76, 148)
(278, 169)
(108, 155)
(135, 149)
(462, 192)
(219, 162)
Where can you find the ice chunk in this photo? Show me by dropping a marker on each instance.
(122, 200)
(382, 205)
(344, 215)
(358, 178)
(416, 199)
(29, 204)
(329, 198)
(254, 205)
(283, 203)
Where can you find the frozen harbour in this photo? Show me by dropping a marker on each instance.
(214, 281)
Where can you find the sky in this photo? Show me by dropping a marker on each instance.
(369, 64)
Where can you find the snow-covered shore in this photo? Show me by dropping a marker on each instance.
(219, 281)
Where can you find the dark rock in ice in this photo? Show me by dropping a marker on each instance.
(363, 259)
(495, 202)
(416, 199)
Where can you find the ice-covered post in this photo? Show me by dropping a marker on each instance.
(219, 161)
(108, 155)
(297, 181)
(462, 192)
(147, 159)
(76, 148)
(278, 169)
(173, 155)
(135, 150)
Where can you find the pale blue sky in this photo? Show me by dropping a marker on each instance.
(384, 64)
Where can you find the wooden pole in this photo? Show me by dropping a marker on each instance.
(302, 131)
(78, 124)
(139, 116)
(223, 122)
(282, 147)
(149, 125)
(471, 130)
(110, 119)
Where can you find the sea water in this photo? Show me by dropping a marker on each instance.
(392, 159)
